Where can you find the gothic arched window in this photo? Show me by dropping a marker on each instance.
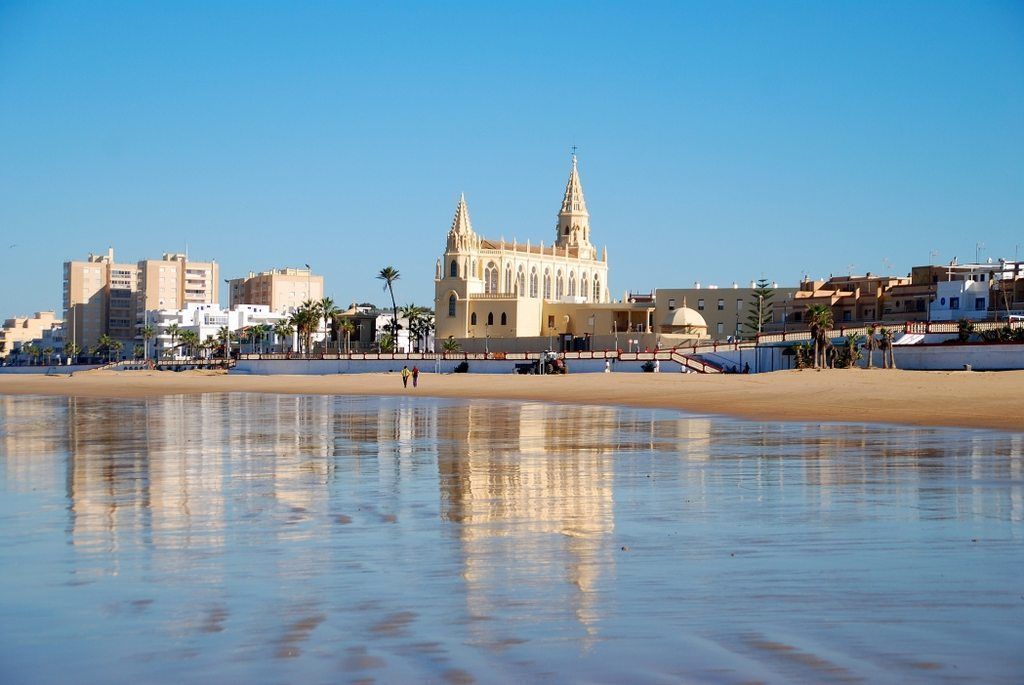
(533, 282)
(451, 304)
(504, 319)
(490, 318)
(559, 285)
(547, 284)
(584, 290)
(597, 289)
(572, 284)
(472, 319)
(508, 278)
(521, 282)
(491, 278)
(454, 269)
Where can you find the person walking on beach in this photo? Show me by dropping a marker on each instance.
(405, 376)
(415, 375)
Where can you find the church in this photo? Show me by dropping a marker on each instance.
(497, 289)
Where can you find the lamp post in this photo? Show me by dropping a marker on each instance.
(309, 293)
(487, 338)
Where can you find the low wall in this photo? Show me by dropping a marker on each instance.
(333, 366)
(44, 370)
(953, 357)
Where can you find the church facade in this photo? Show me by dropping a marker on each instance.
(496, 289)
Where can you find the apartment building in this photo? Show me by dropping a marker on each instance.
(105, 297)
(279, 289)
(19, 330)
(726, 311)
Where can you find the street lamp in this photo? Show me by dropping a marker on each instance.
(487, 337)
(309, 293)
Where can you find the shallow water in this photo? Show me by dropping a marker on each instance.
(272, 539)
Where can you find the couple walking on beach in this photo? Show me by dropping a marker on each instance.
(415, 373)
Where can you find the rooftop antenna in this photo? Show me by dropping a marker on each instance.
(978, 249)
(849, 269)
(886, 266)
(931, 255)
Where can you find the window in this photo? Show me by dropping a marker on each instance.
(551, 321)
(721, 328)
(597, 289)
(920, 305)
(847, 315)
(472, 319)
(584, 290)
(504, 319)
(721, 305)
(533, 282)
(559, 285)
(672, 304)
(954, 303)
(521, 282)
(547, 284)
(454, 269)
(739, 304)
(451, 304)
(508, 278)
(700, 305)
(572, 284)
(491, 278)
(979, 303)
(490, 318)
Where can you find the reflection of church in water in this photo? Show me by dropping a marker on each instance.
(529, 489)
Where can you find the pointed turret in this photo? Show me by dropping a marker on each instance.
(461, 235)
(573, 219)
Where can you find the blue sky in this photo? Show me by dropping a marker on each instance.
(717, 141)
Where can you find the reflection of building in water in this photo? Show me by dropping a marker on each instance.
(530, 487)
(33, 442)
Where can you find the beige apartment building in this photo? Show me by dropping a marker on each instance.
(104, 296)
(726, 311)
(22, 329)
(279, 289)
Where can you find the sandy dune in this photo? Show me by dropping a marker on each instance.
(967, 399)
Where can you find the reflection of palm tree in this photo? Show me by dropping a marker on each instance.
(389, 275)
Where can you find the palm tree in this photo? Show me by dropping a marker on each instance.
(48, 351)
(414, 315)
(819, 321)
(104, 344)
(852, 355)
(189, 340)
(389, 275)
(172, 330)
(450, 345)
(327, 311)
(71, 350)
(284, 330)
(871, 344)
(305, 320)
(224, 335)
(386, 342)
(888, 360)
(139, 352)
(116, 346)
(346, 326)
(147, 334)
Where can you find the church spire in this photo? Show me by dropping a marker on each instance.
(573, 218)
(461, 223)
(461, 235)
(573, 202)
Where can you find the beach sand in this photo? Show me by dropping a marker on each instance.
(930, 398)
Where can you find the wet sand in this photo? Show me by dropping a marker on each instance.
(926, 398)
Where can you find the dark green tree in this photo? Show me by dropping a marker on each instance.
(760, 306)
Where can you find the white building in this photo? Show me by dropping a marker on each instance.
(965, 299)
(207, 320)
